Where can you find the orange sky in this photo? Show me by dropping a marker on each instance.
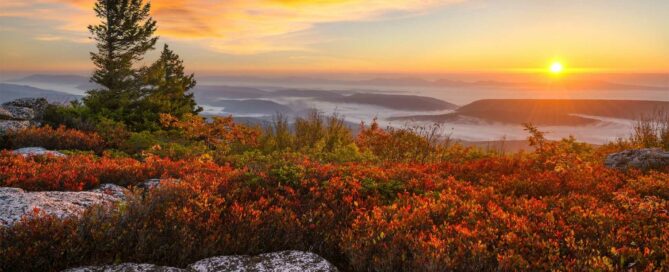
(402, 36)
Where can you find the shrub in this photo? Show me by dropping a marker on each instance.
(557, 208)
(115, 134)
(506, 213)
(320, 137)
(74, 115)
(81, 172)
(409, 144)
(652, 130)
(59, 138)
(221, 134)
(324, 134)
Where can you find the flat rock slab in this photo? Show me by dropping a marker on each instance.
(289, 261)
(642, 159)
(7, 126)
(16, 203)
(18, 113)
(37, 151)
(37, 105)
(126, 267)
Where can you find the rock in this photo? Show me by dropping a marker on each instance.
(19, 113)
(114, 190)
(37, 151)
(5, 114)
(642, 159)
(16, 203)
(295, 261)
(12, 125)
(38, 105)
(125, 267)
(289, 261)
(153, 183)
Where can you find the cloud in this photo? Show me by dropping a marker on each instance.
(69, 38)
(232, 26)
(48, 38)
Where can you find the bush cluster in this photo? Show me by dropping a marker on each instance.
(84, 171)
(557, 208)
(58, 138)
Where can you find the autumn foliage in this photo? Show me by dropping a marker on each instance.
(557, 208)
(81, 172)
(55, 138)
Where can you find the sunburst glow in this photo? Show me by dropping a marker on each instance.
(556, 67)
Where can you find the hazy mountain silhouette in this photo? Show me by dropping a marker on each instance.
(53, 79)
(9, 92)
(396, 102)
(546, 111)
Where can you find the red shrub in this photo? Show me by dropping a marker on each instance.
(80, 172)
(59, 138)
(549, 211)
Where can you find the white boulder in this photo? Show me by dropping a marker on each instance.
(125, 267)
(37, 151)
(283, 261)
(288, 261)
(16, 203)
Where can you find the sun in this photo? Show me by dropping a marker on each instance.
(556, 67)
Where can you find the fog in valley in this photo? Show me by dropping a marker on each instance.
(472, 109)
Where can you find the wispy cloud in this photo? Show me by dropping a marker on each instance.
(233, 26)
(48, 38)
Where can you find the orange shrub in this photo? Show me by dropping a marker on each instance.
(558, 209)
(80, 172)
(221, 133)
(59, 138)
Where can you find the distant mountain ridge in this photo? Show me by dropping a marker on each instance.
(546, 111)
(396, 102)
(9, 92)
(208, 95)
(54, 79)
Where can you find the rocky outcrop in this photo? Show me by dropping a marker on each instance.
(642, 159)
(37, 151)
(21, 113)
(13, 125)
(5, 114)
(295, 261)
(37, 105)
(16, 203)
(289, 261)
(126, 267)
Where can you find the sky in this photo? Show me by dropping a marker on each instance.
(358, 36)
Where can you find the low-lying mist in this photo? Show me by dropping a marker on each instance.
(449, 103)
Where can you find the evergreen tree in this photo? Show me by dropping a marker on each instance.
(123, 36)
(166, 89)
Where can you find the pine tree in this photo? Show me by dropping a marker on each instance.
(123, 37)
(166, 89)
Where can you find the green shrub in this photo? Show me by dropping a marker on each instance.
(652, 130)
(74, 115)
